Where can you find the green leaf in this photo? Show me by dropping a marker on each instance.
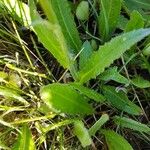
(146, 50)
(136, 21)
(140, 82)
(85, 54)
(82, 11)
(18, 10)
(50, 35)
(12, 94)
(122, 22)
(131, 124)
(108, 19)
(64, 98)
(110, 52)
(82, 133)
(121, 101)
(88, 92)
(116, 141)
(137, 4)
(99, 123)
(24, 141)
(113, 74)
(67, 23)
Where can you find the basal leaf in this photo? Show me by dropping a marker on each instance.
(99, 123)
(109, 14)
(116, 141)
(131, 124)
(140, 82)
(88, 92)
(113, 74)
(50, 35)
(24, 141)
(85, 54)
(110, 52)
(121, 101)
(68, 26)
(142, 6)
(64, 98)
(136, 4)
(82, 133)
(136, 21)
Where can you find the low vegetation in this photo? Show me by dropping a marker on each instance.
(74, 74)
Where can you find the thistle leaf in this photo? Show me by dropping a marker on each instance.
(109, 52)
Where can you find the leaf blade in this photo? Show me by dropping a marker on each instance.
(63, 98)
(24, 141)
(116, 141)
(67, 24)
(108, 53)
(131, 124)
(121, 101)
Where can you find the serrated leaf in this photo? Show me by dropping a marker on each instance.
(109, 52)
(131, 124)
(113, 74)
(116, 141)
(108, 19)
(82, 133)
(140, 82)
(85, 54)
(67, 23)
(50, 35)
(121, 101)
(136, 21)
(24, 141)
(88, 92)
(99, 123)
(64, 98)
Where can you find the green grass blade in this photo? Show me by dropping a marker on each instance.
(110, 52)
(24, 141)
(18, 10)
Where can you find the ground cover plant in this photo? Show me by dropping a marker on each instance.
(74, 74)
